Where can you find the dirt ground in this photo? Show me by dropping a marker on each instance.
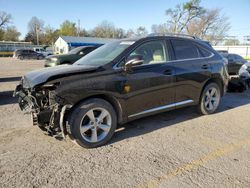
(172, 149)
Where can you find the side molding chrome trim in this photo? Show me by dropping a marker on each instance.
(161, 108)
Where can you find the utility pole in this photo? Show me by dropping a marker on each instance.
(78, 33)
(37, 35)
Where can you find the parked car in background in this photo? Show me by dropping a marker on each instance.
(222, 51)
(70, 57)
(235, 62)
(123, 81)
(43, 51)
(244, 74)
(27, 54)
(241, 82)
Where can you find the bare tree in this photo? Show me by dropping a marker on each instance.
(104, 30)
(35, 28)
(130, 33)
(5, 19)
(161, 28)
(182, 15)
(141, 31)
(210, 26)
(107, 30)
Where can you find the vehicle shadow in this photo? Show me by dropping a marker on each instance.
(10, 79)
(6, 97)
(171, 118)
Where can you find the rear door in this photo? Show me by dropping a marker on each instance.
(192, 70)
(151, 84)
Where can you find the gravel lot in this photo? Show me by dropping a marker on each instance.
(173, 149)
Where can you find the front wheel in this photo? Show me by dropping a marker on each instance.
(92, 123)
(210, 99)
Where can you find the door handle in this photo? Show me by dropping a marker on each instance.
(168, 72)
(205, 66)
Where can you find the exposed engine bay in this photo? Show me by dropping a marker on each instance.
(46, 108)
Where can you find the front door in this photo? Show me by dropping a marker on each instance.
(150, 85)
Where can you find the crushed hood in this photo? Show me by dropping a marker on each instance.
(37, 77)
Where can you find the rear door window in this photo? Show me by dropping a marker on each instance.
(185, 49)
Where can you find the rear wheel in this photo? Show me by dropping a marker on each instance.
(20, 57)
(210, 99)
(92, 123)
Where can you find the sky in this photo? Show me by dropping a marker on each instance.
(125, 14)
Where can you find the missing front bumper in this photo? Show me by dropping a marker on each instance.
(24, 101)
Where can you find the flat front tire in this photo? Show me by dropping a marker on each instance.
(92, 123)
(210, 99)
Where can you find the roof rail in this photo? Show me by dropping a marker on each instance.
(173, 35)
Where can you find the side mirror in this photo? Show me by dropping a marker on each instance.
(132, 61)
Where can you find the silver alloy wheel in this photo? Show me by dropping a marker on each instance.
(95, 125)
(212, 98)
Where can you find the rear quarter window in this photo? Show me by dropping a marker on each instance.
(204, 52)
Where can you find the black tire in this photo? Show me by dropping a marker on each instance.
(20, 57)
(79, 118)
(204, 106)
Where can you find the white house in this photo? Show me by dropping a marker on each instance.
(65, 43)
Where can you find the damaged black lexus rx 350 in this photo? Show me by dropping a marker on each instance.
(123, 81)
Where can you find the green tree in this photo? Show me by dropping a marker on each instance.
(30, 37)
(1, 34)
(49, 36)
(68, 28)
(11, 34)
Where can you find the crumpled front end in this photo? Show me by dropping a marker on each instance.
(46, 108)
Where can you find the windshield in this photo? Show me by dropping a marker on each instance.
(75, 50)
(105, 53)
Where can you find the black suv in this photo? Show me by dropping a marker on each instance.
(123, 81)
(235, 62)
(70, 57)
(27, 54)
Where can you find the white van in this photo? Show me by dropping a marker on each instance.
(42, 51)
